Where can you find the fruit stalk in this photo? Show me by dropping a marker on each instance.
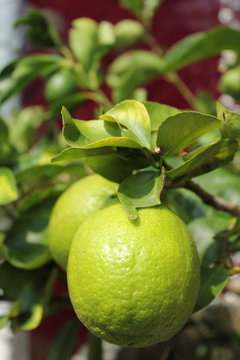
(94, 348)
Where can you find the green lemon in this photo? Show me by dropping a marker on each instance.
(230, 83)
(72, 208)
(133, 283)
(62, 83)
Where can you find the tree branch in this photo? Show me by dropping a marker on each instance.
(209, 199)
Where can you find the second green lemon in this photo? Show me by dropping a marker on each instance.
(72, 208)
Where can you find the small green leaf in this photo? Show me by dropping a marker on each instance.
(129, 32)
(205, 159)
(3, 131)
(180, 130)
(132, 115)
(200, 46)
(63, 342)
(83, 40)
(106, 36)
(132, 69)
(212, 283)
(230, 122)
(133, 5)
(158, 113)
(8, 187)
(26, 243)
(41, 31)
(140, 190)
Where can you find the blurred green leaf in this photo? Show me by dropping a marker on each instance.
(188, 126)
(212, 283)
(83, 40)
(200, 46)
(132, 69)
(26, 243)
(3, 131)
(203, 231)
(72, 102)
(40, 31)
(140, 190)
(158, 113)
(134, 119)
(133, 5)
(17, 75)
(8, 187)
(23, 124)
(144, 9)
(230, 122)
(8, 154)
(63, 342)
(205, 103)
(205, 159)
(129, 32)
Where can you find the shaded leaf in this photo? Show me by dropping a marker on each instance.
(63, 342)
(212, 283)
(132, 115)
(188, 127)
(8, 187)
(132, 69)
(140, 190)
(3, 131)
(203, 231)
(200, 46)
(205, 159)
(26, 243)
(40, 31)
(230, 122)
(158, 113)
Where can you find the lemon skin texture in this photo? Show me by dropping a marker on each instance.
(133, 283)
(72, 208)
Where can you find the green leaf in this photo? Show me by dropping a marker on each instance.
(34, 299)
(144, 9)
(180, 130)
(132, 115)
(205, 103)
(212, 283)
(72, 102)
(203, 231)
(99, 133)
(129, 32)
(23, 125)
(106, 37)
(205, 159)
(201, 46)
(83, 40)
(63, 342)
(103, 161)
(230, 122)
(3, 131)
(8, 187)
(133, 5)
(132, 69)
(16, 76)
(140, 190)
(158, 113)
(26, 243)
(40, 31)
(149, 8)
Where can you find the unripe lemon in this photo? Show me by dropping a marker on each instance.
(60, 84)
(230, 83)
(72, 208)
(133, 283)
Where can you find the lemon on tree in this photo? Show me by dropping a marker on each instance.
(72, 208)
(133, 283)
(60, 84)
(230, 83)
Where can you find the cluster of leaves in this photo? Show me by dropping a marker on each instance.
(150, 149)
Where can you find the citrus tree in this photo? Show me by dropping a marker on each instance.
(158, 170)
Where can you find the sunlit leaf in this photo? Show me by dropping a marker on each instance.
(230, 122)
(129, 32)
(8, 187)
(158, 113)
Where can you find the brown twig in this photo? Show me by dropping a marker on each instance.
(209, 199)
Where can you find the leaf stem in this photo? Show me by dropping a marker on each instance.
(94, 348)
(176, 80)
